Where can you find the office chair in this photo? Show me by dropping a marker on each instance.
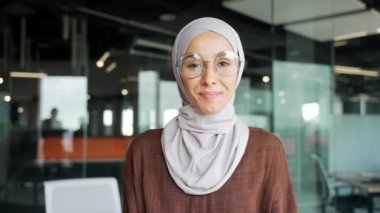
(85, 195)
(342, 202)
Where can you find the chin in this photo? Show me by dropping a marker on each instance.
(208, 110)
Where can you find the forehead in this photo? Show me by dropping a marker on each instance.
(208, 42)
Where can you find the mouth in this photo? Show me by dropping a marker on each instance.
(209, 94)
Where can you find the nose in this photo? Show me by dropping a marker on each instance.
(209, 75)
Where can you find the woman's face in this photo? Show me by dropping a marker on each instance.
(210, 91)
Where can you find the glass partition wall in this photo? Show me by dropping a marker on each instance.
(302, 92)
(325, 98)
(79, 82)
(44, 106)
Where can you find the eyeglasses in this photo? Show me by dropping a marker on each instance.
(192, 65)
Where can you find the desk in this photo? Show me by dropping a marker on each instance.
(367, 182)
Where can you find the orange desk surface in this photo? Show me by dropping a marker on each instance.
(97, 148)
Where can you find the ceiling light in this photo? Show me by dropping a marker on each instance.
(20, 110)
(259, 101)
(20, 74)
(102, 59)
(111, 67)
(355, 71)
(124, 92)
(350, 36)
(152, 49)
(265, 79)
(100, 64)
(340, 43)
(167, 17)
(7, 98)
(1, 80)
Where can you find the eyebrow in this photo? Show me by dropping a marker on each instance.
(223, 53)
(192, 55)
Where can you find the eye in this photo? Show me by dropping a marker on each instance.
(193, 65)
(223, 63)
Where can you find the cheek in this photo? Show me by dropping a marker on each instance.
(188, 86)
(230, 85)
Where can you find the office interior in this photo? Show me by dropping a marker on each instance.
(312, 77)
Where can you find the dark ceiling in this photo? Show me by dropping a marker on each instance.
(117, 23)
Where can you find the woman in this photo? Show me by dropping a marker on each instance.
(206, 159)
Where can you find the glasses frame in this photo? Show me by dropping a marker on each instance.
(180, 62)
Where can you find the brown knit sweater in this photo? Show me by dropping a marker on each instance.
(260, 183)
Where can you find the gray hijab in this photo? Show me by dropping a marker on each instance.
(202, 151)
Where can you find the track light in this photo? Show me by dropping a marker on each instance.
(355, 71)
(111, 67)
(16, 74)
(102, 59)
(350, 36)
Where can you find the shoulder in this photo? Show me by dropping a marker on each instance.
(267, 147)
(264, 139)
(149, 134)
(150, 138)
(263, 135)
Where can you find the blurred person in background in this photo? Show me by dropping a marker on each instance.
(52, 122)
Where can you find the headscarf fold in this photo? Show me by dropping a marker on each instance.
(203, 150)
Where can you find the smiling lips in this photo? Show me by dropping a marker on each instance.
(209, 94)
